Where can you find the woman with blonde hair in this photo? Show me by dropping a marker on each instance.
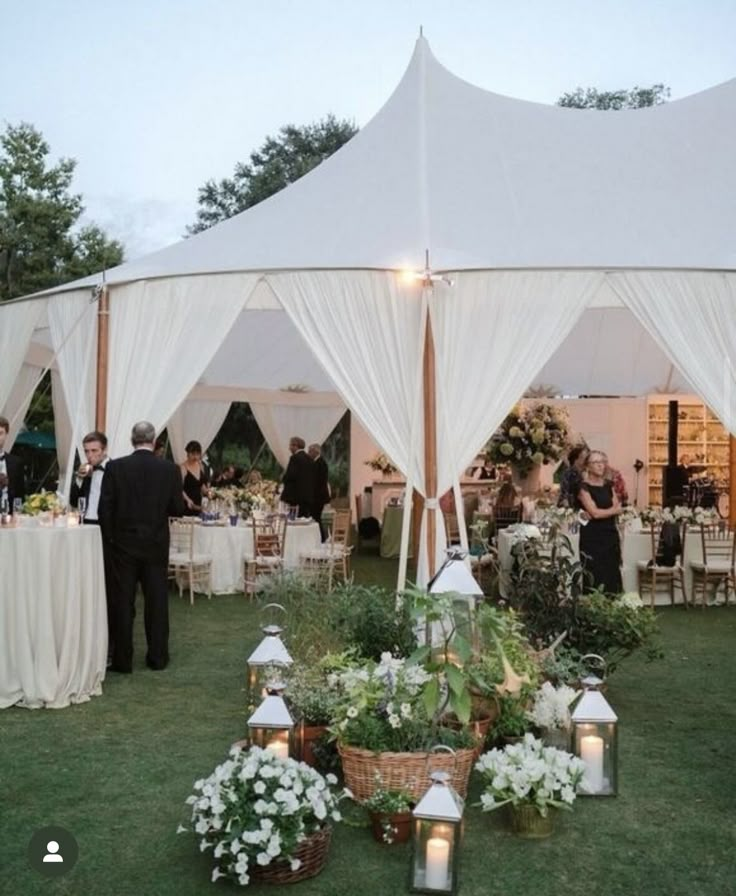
(600, 546)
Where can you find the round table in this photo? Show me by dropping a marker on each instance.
(53, 616)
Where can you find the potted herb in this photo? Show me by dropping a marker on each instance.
(312, 702)
(390, 812)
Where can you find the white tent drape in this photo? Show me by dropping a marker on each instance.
(17, 403)
(163, 334)
(19, 320)
(364, 328)
(278, 422)
(493, 331)
(62, 424)
(692, 315)
(198, 420)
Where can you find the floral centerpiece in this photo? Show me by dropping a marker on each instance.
(381, 464)
(531, 779)
(42, 502)
(529, 437)
(550, 713)
(257, 812)
(247, 498)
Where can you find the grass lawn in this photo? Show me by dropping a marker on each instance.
(116, 771)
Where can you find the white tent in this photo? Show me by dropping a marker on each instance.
(594, 251)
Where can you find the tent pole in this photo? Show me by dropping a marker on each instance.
(103, 321)
(732, 481)
(430, 443)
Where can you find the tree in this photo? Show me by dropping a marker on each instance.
(280, 161)
(39, 245)
(635, 98)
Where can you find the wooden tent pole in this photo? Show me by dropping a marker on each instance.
(732, 481)
(103, 321)
(430, 443)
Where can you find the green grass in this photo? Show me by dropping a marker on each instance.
(116, 772)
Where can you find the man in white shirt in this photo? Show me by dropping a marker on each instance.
(88, 481)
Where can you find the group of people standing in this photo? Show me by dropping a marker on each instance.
(589, 485)
(306, 485)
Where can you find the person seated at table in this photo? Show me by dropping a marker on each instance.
(254, 478)
(600, 546)
(225, 477)
(507, 509)
(572, 477)
(195, 476)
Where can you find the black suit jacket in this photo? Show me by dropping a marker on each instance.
(299, 480)
(139, 494)
(321, 481)
(83, 490)
(16, 478)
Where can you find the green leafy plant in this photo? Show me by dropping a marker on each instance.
(512, 720)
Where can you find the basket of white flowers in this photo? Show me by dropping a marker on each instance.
(265, 818)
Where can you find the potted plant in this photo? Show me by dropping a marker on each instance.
(312, 702)
(390, 812)
(550, 713)
(531, 780)
(264, 817)
(512, 722)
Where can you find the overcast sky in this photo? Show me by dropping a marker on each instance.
(154, 97)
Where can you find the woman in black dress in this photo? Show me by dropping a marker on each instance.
(600, 547)
(195, 478)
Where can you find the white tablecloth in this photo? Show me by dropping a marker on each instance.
(53, 616)
(230, 545)
(636, 546)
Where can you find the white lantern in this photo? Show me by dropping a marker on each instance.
(270, 652)
(271, 726)
(595, 741)
(436, 838)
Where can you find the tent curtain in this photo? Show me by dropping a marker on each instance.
(62, 424)
(163, 334)
(198, 420)
(18, 322)
(493, 331)
(19, 400)
(364, 328)
(691, 315)
(279, 422)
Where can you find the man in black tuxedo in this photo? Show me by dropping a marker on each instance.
(12, 478)
(139, 494)
(298, 479)
(321, 486)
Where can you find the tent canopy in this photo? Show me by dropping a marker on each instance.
(590, 251)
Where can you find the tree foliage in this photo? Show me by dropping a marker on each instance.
(280, 161)
(40, 244)
(635, 98)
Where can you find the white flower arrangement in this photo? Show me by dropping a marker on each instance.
(529, 774)
(677, 514)
(551, 706)
(631, 600)
(256, 808)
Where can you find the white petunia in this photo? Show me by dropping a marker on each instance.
(202, 826)
(216, 873)
(263, 858)
(259, 787)
(296, 864)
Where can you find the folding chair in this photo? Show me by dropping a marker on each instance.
(184, 564)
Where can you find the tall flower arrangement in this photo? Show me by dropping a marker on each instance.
(531, 436)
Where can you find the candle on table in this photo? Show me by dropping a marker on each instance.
(438, 856)
(591, 752)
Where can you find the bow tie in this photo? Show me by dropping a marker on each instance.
(2, 456)
(98, 467)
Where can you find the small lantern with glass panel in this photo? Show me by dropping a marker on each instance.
(271, 726)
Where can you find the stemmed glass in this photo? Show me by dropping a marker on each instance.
(82, 508)
(17, 506)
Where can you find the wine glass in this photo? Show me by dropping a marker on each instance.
(82, 508)
(17, 506)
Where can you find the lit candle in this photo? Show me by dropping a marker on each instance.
(591, 752)
(438, 856)
(280, 748)
(72, 520)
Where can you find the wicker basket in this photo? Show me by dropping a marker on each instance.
(312, 853)
(402, 771)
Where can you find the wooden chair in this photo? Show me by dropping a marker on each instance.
(323, 563)
(269, 540)
(503, 517)
(717, 566)
(652, 573)
(186, 566)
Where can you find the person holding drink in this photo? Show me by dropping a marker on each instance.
(85, 491)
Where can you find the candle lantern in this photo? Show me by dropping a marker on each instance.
(270, 652)
(594, 740)
(437, 830)
(271, 726)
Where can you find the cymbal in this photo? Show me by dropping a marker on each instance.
(697, 468)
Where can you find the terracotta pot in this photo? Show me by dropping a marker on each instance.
(308, 735)
(528, 822)
(396, 827)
